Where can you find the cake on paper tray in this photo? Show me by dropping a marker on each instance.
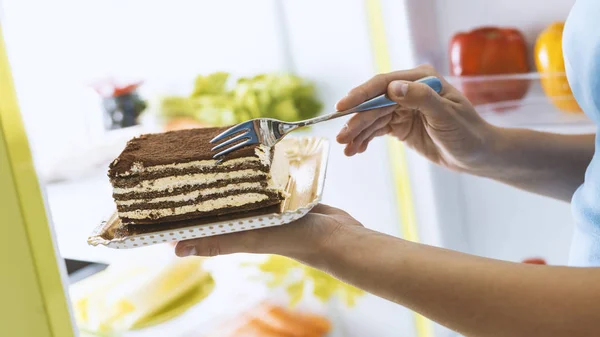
(167, 187)
(172, 176)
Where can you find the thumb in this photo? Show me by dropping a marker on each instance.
(415, 95)
(230, 243)
(328, 210)
(269, 240)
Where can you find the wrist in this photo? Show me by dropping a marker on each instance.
(489, 159)
(326, 251)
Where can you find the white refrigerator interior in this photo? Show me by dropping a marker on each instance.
(326, 41)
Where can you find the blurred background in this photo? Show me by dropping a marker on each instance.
(90, 75)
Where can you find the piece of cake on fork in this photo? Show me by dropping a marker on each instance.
(172, 176)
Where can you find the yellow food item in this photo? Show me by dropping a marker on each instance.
(277, 268)
(87, 295)
(550, 62)
(130, 298)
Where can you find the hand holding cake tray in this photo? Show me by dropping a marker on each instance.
(171, 186)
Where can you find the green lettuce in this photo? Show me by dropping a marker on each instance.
(282, 96)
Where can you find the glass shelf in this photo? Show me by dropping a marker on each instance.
(520, 100)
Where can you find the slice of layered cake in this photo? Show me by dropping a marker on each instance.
(172, 176)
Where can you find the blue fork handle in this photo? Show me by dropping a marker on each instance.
(383, 101)
(374, 103)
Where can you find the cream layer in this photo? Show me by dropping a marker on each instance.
(171, 182)
(191, 195)
(206, 206)
(262, 155)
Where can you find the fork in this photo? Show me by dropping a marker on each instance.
(269, 131)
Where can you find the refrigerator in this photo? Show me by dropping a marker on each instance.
(58, 50)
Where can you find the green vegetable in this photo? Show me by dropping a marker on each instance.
(213, 84)
(277, 270)
(282, 96)
(174, 106)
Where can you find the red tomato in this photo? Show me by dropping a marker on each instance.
(490, 51)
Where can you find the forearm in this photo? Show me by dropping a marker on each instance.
(472, 295)
(544, 163)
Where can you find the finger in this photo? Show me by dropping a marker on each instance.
(242, 242)
(360, 122)
(265, 240)
(417, 96)
(212, 246)
(270, 240)
(403, 122)
(377, 133)
(379, 83)
(379, 123)
(373, 87)
(355, 144)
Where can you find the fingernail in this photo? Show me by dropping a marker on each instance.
(399, 88)
(187, 251)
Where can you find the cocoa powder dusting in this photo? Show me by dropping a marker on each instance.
(179, 146)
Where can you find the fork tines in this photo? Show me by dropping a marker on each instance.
(246, 131)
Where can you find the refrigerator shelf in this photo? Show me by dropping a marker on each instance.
(519, 100)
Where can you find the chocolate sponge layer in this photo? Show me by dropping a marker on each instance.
(133, 180)
(195, 201)
(194, 215)
(187, 189)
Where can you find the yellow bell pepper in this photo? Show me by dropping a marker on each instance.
(551, 64)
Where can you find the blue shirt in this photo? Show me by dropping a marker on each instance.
(581, 48)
